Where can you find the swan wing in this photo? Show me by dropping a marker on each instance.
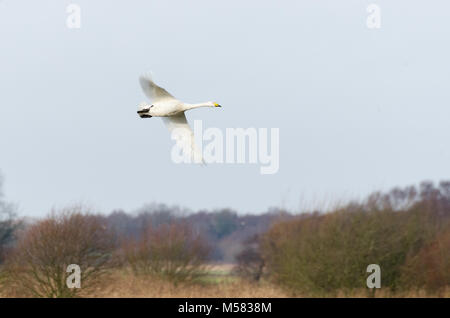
(153, 91)
(184, 136)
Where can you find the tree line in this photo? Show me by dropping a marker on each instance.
(406, 231)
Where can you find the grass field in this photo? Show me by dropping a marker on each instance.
(220, 282)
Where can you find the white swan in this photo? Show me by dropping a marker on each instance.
(172, 112)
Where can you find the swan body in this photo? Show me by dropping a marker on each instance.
(165, 105)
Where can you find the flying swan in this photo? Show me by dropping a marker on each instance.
(164, 105)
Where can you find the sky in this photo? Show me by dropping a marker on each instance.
(358, 109)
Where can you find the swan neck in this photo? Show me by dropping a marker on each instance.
(192, 106)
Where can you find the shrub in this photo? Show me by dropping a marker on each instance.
(324, 253)
(37, 265)
(250, 263)
(172, 251)
(430, 267)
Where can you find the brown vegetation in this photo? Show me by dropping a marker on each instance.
(37, 265)
(124, 284)
(326, 253)
(429, 269)
(172, 251)
(163, 252)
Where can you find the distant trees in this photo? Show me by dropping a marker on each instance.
(406, 231)
(224, 229)
(131, 224)
(224, 223)
(8, 224)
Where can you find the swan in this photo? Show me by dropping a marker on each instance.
(171, 110)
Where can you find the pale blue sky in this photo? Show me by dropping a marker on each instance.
(358, 109)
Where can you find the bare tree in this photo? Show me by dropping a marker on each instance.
(38, 263)
(172, 251)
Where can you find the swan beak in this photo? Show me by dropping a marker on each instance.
(217, 105)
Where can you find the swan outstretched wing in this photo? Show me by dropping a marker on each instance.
(184, 136)
(153, 91)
